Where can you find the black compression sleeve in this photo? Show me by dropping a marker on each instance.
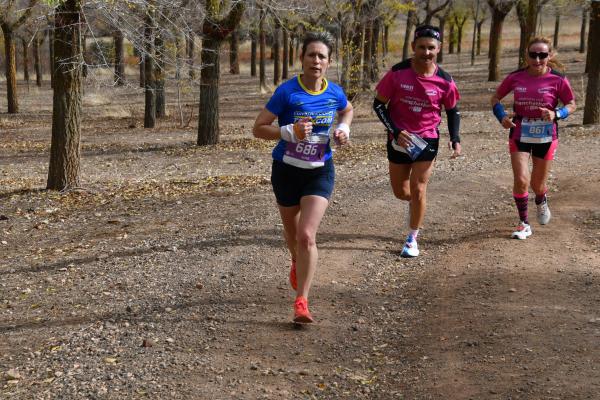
(384, 116)
(453, 124)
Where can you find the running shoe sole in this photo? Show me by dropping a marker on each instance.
(303, 319)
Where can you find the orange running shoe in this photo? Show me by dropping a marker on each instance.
(293, 280)
(301, 313)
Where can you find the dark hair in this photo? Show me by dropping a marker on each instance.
(427, 31)
(323, 37)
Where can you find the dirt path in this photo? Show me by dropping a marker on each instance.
(180, 248)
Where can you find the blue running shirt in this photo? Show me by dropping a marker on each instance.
(292, 102)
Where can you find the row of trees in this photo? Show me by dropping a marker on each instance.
(361, 27)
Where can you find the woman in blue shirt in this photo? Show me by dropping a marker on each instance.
(303, 174)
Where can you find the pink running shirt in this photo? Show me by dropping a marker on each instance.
(416, 101)
(532, 92)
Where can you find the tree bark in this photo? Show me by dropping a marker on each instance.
(63, 172)
(119, 58)
(11, 68)
(582, 36)
(375, 49)
(37, 64)
(276, 54)
(440, 56)
(190, 45)
(451, 36)
(409, 25)
(159, 76)
(556, 28)
(262, 69)
(25, 46)
(234, 45)
(51, 53)
(591, 112)
(253, 46)
(475, 18)
(367, 43)
(149, 69)
(479, 25)
(285, 56)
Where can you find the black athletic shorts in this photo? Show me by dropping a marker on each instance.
(291, 183)
(428, 154)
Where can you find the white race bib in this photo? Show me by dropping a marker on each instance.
(536, 131)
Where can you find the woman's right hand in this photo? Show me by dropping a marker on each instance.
(403, 139)
(507, 122)
(303, 128)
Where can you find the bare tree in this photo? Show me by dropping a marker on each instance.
(214, 31)
(500, 9)
(13, 14)
(234, 45)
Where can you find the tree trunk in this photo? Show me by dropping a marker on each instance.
(253, 45)
(386, 39)
(51, 53)
(262, 69)
(291, 54)
(495, 45)
(451, 35)
(276, 54)
(141, 66)
(37, 65)
(234, 45)
(149, 69)
(479, 25)
(159, 76)
(119, 58)
(11, 69)
(582, 36)
(63, 172)
(460, 28)
(208, 121)
(285, 56)
(190, 46)
(25, 46)
(409, 25)
(440, 56)
(556, 28)
(475, 17)
(355, 61)
(375, 49)
(591, 112)
(588, 58)
(367, 43)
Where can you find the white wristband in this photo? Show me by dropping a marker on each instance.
(287, 133)
(344, 127)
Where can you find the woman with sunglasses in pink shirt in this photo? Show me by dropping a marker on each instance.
(537, 89)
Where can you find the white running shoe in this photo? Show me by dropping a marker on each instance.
(410, 248)
(543, 213)
(523, 231)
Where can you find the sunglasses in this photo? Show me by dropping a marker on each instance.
(541, 55)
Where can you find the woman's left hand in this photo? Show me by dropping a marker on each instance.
(547, 114)
(340, 137)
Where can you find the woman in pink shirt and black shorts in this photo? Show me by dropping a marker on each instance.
(537, 89)
(409, 101)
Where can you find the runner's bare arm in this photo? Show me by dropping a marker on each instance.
(342, 132)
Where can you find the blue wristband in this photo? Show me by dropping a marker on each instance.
(499, 112)
(562, 113)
